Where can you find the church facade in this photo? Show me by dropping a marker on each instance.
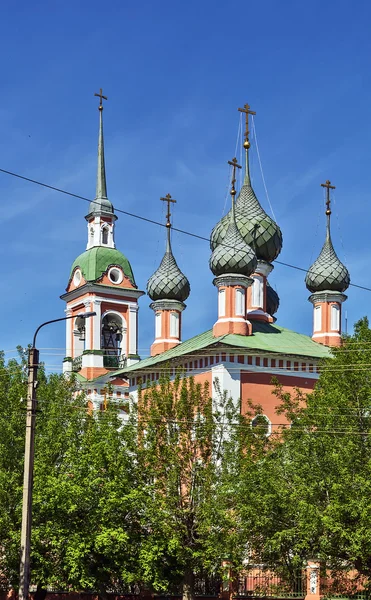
(242, 351)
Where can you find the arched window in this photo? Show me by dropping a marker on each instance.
(105, 235)
(111, 335)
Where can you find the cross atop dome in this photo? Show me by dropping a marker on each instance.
(247, 111)
(101, 98)
(328, 187)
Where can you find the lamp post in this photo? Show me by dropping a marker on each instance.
(33, 364)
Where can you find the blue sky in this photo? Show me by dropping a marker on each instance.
(175, 73)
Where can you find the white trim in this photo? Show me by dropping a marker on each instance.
(325, 333)
(132, 325)
(263, 268)
(317, 317)
(240, 306)
(221, 302)
(97, 324)
(174, 324)
(120, 275)
(118, 314)
(257, 296)
(158, 324)
(88, 325)
(256, 312)
(233, 319)
(159, 340)
(104, 299)
(335, 317)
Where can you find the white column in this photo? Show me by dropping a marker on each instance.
(133, 310)
(88, 325)
(68, 312)
(97, 325)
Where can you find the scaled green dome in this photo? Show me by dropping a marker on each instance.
(233, 255)
(327, 273)
(168, 282)
(96, 261)
(257, 229)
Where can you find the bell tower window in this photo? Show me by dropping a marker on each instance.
(105, 235)
(111, 335)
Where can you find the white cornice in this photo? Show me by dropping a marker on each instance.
(230, 279)
(327, 296)
(167, 305)
(100, 289)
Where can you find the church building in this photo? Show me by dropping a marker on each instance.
(243, 350)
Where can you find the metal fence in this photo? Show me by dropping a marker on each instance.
(260, 583)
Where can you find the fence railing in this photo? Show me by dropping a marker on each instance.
(257, 583)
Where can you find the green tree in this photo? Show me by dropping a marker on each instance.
(314, 482)
(189, 448)
(85, 511)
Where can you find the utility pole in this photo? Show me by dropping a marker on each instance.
(29, 455)
(33, 364)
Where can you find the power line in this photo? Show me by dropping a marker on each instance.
(147, 220)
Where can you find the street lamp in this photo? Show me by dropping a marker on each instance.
(33, 364)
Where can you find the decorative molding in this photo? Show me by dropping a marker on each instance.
(263, 268)
(167, 305)
(101, 289)
(233, 279)
(327, 296)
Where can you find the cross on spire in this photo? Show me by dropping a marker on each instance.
(328, 187)
(247, 111)
(101, 98)
(234, 164)
(168, 199)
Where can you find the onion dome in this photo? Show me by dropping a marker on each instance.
(327, 273)
(257, 229)
(272, 300)
(233, 254)
(168, 282)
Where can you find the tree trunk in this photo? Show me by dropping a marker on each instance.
(188, 585)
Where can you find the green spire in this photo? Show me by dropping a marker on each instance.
(101, 203)
(101, 191)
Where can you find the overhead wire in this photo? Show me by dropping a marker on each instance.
(152, 221)
(260, 165)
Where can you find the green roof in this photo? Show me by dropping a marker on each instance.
(96, 261)
(265, 338)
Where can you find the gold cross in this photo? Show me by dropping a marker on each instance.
(329, 187)
(168, 199)
(101, 98)
(234, 164)
(247, 111)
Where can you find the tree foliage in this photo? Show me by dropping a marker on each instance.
(313, 486)
(187, 451)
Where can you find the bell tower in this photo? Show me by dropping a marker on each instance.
(101, 280)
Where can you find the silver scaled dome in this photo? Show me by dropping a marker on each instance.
(272, 300)
(327, 273)
(168, 282)
(233, 254)
(257, 229)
